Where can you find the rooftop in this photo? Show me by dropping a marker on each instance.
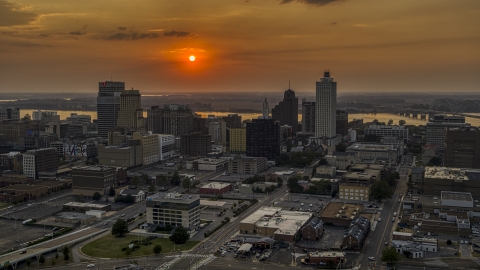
(452, 173)
(341, 210)
(417, 170)
(173, 197)
(326, 254)
(371, 147)
(212, 203)
(89, 205)
(457, 196)
(211, 161)
(94, 168)
(216, 185)
(72, 215)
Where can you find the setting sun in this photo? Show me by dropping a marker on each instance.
(192, 58)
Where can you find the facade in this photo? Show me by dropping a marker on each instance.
(462, 148)
(286, 112)
(9, 114)
(319, 257)
(342, 160)
(428, 152)
(437, 133)
(417, 175)
(154, 120)
(247, 165)
(438, 179)
(387, 131)
(359, 192)
(195, 144)
(120, 156)
(166, 144)
(45, 116)
(130, 115)
(353, 239)
(238, 140)
(39, 160)
(174, 209)
(326, 107)
(75, 118)
(177, 119)
(12, 161)
(388, 153)
(207, 164)
(150, 147)
(308, 116)
(233, 120)
(313, 230)
(90, 179)
(265, 110)
(263, 138)
(137, 194)
(218, 131)
(215, 188)
(342, 122)
(108, 105)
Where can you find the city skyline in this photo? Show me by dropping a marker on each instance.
(248, 46)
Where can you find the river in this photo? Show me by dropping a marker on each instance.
(367, 117)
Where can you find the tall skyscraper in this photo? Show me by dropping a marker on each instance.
(326, 107)
(130, 115)
(342, 122)
(154, 120)
(108, 105)
(286, 112)
(265, 110)
(177, 119)
(308, 116)
(462, 148)
(263, 138)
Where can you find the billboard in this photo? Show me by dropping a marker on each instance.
(76, 150)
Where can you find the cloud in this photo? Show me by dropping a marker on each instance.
(77, 33)
(132, 36)
(188, 49)
(8, 33)
(334, 23)
(311, 2)
(122, 28)
(362, 25)
(13, 14)
(174, 33)
(44, 35)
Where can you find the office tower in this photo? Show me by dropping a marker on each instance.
(263, 138)
(108, 105)
(379, 131)
(39, 160)
(233, 120)
(90, 179)
(286, 112)
(308, 116)
(10, 114)
(174, 209)
(154, 120)
(462, 148)
(130, 115)
(326, 107)
(218, 131)
(45, 116)
(265, 110)
(79, 118)
(177, 119)
(150, 145)
(200, 124)
(238, 140)
(342, 122)
(196, 144)
(437, 131)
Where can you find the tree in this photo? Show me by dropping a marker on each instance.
(157, 249)
(66, 253)
(195, 183)
(175, 180)
(323, 161)
(41, 259)
(146, 178)
(390, 255)
(401, 122)
(186, 183)
(120, 228)
(180, 235)
(97, 196)
(151, 187)
(390, 122)
(293, 185)
(381, 190)
(435, 161)
(28, 261)
(135, 180)
(407, 253)
(341, 147)
(111, 192)
(129, 199)
(449, 242)
(162, 180)
(128, 251)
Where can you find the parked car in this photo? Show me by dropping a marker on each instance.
(91, 265)
(371, 258)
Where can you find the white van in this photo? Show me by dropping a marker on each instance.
(395, 214)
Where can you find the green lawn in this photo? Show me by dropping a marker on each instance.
(111, 247)
(3, 205)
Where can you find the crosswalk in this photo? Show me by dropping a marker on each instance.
(177, 258)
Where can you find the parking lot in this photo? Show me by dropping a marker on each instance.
(36, 211)
(24, 233)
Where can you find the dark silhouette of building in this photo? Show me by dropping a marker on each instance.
(462, 148)
(308, 116)
(154, 120)
(200, 124)
(233, 120)
(342, 122)
(108, 105)
(263, 138)
(90, 179)
(39, 160)
(286, 112)
(177, 119)
(195, 144)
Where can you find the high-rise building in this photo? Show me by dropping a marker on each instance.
(200, 124)
(265, 110)
(263, 138)
(462, 148)
(233, 120)
(130, 115)
(238, 140)
(286, 112)
(90, 179)
(218, 131)
(196, 144)
(326, 107)
(400, 132)
(108, 105)
(177, 119)
(342, 122)
(174, 209)
(39, 160)
(9, 114)
(437, 131)
(154, 120)
(308, 116)
(150, 145)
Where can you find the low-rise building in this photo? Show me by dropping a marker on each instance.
(313, 230)
(83, 207)
(75, 218)
(342, 160)
(245, 189)
(340, 214)
(137, 194)
(275, 222)
(326, 171)
(90, 179)
(215, 188)
(389, 153)
(438, 179)
(96, 213)
(262, 186)
(354, 238)
(130, 155)
(150, 147)
(39, 160)
(428, 152)
(249, 165)
(174, 209)
(318, 257)
(207, 164)
(359, 192)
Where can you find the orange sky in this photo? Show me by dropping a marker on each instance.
(240, 45)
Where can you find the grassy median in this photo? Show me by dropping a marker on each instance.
(111, 247)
